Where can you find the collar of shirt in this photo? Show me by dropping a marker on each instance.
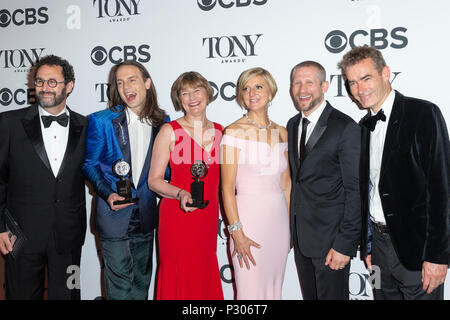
(315, 115)
(132, 117)
(387, 105)
(313, 118)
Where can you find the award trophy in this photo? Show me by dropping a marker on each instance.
(199, 170)
(121, 169)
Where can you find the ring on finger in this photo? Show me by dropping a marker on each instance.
(239, 256)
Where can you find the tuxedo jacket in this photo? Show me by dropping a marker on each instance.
(414, 182)
(325, 197)
(108, 141)
(40, 202)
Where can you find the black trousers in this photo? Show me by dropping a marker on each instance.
(25, 275)
(318, 281)
(397, 282)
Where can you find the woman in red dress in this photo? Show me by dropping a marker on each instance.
(187, 236)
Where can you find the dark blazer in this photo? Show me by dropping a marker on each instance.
(414, 182)
(108, 141)
(39, 202)
(325, 190)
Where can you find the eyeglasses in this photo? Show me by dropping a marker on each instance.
(52, 83)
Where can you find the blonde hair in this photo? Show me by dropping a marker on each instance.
(247, 75)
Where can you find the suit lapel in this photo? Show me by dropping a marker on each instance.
(364, 168)
(392, 130)
(32, 126)
(72, 141)
(121, 131)
(319, 129)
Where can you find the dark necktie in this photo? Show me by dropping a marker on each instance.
(371, 122)
(305, 123)
(62, 119)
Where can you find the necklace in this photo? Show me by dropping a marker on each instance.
(260, 127)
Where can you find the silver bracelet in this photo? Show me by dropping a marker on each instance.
(234, 227)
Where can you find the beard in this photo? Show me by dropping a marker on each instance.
(57, 99)
(311, 105)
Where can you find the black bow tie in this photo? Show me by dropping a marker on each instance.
(62, 119)
(371, 122)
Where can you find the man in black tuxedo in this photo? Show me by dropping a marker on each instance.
(324, 156)
(42, 186)
(405, 167)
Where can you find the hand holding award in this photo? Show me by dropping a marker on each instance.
(121, 169)
(199, 170)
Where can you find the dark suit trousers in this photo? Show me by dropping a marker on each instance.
(318, 281)
(25, 275)
(397, 282)
(128, 263)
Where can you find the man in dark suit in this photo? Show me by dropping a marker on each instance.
(125, 132)
(405, 167)
(42, 186)
(324, 156)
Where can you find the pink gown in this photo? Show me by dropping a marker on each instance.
(264, 215)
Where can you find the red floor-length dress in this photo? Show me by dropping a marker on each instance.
(188, 266)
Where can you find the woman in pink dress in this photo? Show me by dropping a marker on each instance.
(256, 190)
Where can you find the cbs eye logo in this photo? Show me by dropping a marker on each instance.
(5, 18)
(99, 55)
(117, 54)
(207, 5)
(336, 41)
(6, 97)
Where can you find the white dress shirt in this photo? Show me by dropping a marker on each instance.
(55, 139)
(313, 119)
(377, 138)
(139, 133)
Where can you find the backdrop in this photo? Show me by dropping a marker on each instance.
(220, 39)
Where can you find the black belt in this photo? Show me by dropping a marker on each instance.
(381, 227)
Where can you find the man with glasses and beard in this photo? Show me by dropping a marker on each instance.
(42, 187)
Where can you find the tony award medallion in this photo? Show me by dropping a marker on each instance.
(121, 169)
(199, 170)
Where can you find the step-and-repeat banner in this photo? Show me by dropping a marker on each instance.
(220, 39)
